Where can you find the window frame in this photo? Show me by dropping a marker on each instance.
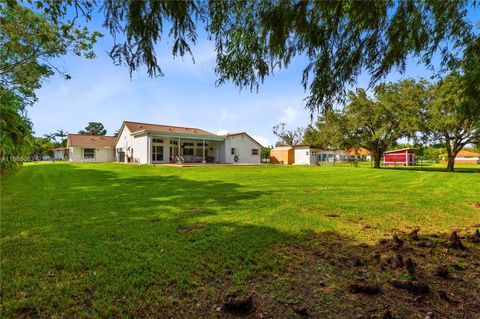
(156, 155)
(188, 149)
(93, 152)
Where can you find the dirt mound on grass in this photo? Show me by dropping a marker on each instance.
(398, 278)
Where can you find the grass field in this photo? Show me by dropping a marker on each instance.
(114, 240)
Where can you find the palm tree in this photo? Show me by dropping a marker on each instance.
(62, 134)
(49, 137)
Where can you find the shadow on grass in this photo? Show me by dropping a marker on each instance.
(167, 246)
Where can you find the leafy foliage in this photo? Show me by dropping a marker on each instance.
(94, 128)
(141, 22)
(287, 137)
(15, 130)
(451, 118)
(326, 132)
(28, 43)
(373, 123)
(253, 40)
(339, 39)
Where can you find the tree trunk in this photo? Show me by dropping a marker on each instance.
(451, 162)
(376, 160)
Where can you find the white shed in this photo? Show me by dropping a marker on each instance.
(306, 155)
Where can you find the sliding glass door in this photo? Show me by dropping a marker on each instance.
(157, 150)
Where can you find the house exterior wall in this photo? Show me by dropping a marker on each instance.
(103, 154)
(124, 141)
(243, 146)
(74, 154)
(305, 155)
(106, 154)
(139, 144)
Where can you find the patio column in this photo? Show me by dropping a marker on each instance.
(203, 159)
(178, 147)
(149, 149)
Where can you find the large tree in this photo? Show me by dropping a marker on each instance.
(451, 118)
(326, 132)
(254, 39)
(94, 128)
(287, 137)
(29, 41)
(15, 130)
(63, 136)
(376, 123)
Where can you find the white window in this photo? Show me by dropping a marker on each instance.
(157, 153)
(254, 151)
(89, 153)
(157, 149)
(233, 151)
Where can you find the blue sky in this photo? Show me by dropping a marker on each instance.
(99, 91)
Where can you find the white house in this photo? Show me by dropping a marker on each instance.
(152, 143)
(305, 155)
(90, 148)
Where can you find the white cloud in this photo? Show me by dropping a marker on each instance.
(223, 132)
(225, 115)
(262, 140)
(289, 115)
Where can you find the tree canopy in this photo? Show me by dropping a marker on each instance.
(253, 40)
(373, 123)
(94, 128)
(28, 43)
(15, 130)
(287, 137)
(450, 116)
(29, 40)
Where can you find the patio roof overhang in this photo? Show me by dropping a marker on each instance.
(181, 135)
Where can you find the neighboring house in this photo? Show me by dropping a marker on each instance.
(405, 156)
(59, 153)
(464, 157)
(306, 155)
(90, 148)
(146, 143)
(333, 156)
(282, 155)
(360, 153)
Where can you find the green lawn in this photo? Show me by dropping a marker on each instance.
(114, 240)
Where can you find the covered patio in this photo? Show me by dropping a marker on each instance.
(181, 149)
